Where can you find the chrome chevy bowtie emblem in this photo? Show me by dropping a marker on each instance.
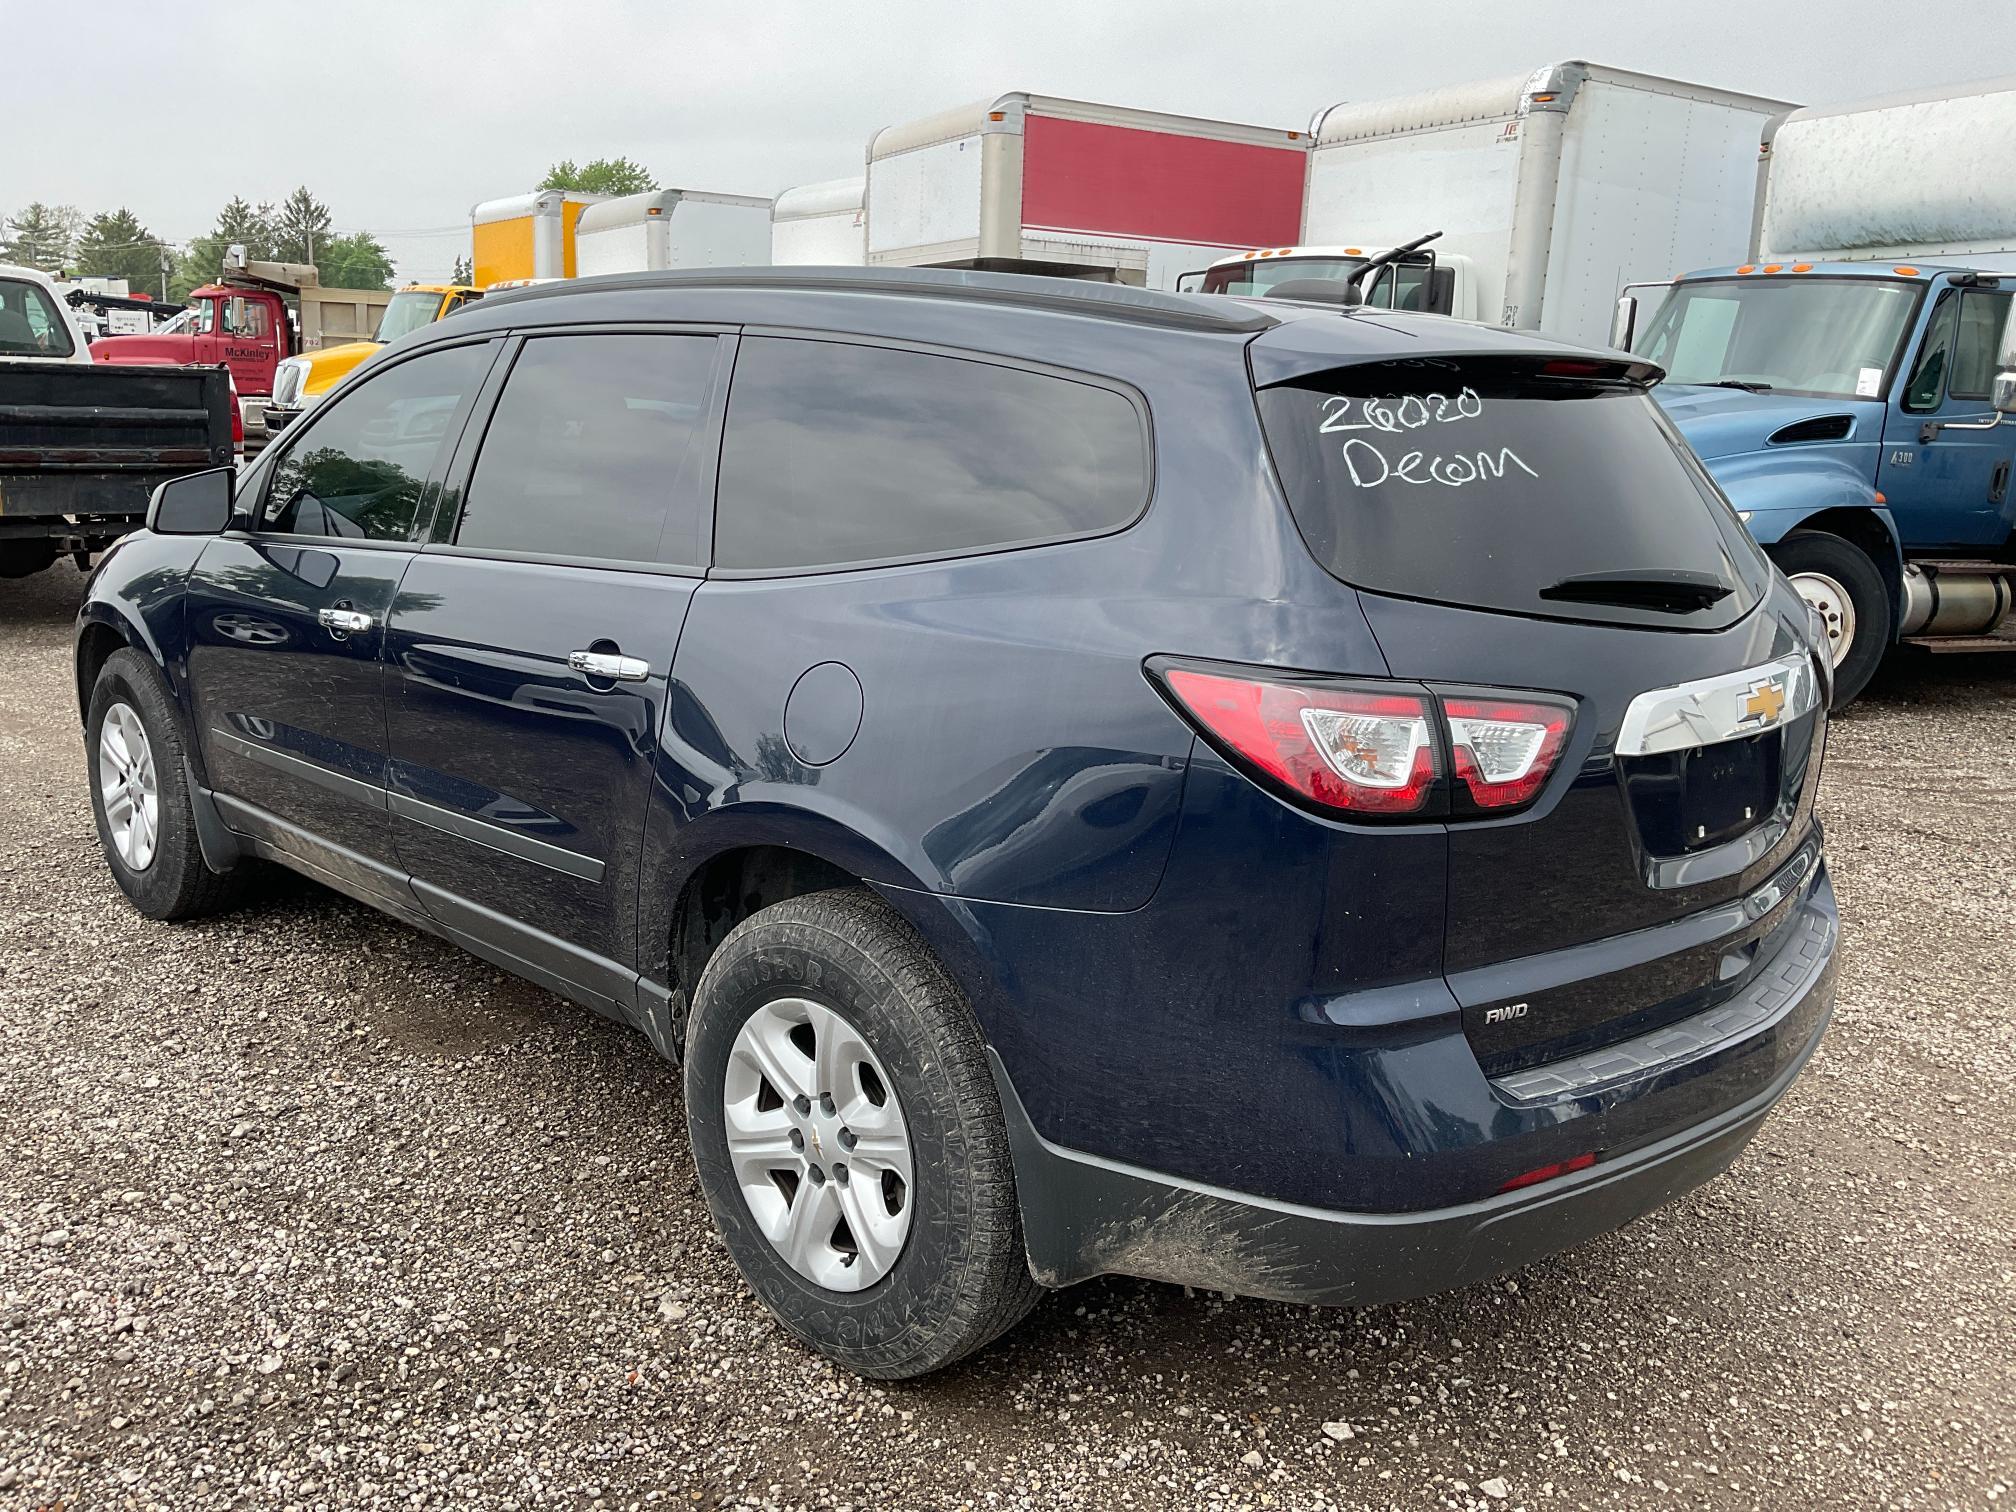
(1764, 703)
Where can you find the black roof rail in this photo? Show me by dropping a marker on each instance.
(1188, 312)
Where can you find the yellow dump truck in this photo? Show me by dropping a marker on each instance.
(300, 381)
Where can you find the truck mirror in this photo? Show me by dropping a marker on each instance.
(2002, 395)
(1624, 323)
(198, 504)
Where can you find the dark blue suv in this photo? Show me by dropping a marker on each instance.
(1317, 804)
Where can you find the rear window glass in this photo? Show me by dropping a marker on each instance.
(1488, 485)
(837, 454)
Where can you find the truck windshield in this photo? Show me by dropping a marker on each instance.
(1833, 337)
(30, 324)
(409, 310)
(1406, 286)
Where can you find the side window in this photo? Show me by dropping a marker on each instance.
(358, 470)
(1981, 317)
(590, 452)
(253, 320)
(1928, 377)
(837, 454)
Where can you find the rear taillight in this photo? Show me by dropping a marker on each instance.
(1359, 748)
(1503, 749)
(1369, 753)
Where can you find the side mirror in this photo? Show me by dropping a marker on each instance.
(1624, 322)
(2002, 393)
(199, 504)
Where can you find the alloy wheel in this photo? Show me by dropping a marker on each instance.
(818, 1143)
(129, 787)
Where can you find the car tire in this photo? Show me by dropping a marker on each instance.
(140, 795)
(866, 987)
(1837, 578)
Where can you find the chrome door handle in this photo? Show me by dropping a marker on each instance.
(609, 666)
(345, 621)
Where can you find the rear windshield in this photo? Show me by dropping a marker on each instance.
(1489, 485)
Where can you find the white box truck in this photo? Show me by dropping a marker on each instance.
(672, 228)
(1920, 176)
(1552, 190)
(1034, 184)
(820, 224)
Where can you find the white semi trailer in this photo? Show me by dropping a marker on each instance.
(1033, 184)
(1552, 190)
(672, 228)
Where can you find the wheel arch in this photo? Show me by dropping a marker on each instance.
(102, 629)
(1874, 534)
(732, 864)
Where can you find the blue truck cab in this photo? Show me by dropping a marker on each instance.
(1849, 412)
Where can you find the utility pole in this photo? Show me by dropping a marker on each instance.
(164, 274)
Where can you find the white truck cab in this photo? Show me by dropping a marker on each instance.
(1436, 284)
(36, 325)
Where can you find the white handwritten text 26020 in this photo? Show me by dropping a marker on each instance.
(1396, 414)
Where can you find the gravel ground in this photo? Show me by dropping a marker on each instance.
(300, 1208)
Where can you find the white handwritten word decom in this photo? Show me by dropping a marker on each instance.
(1369, 465)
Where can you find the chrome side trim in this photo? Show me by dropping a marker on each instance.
(496, 837)
(1710, 710)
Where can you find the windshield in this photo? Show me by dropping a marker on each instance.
(1486, 484)
(1833, 337)
(1409, 285)
(409, 310)
(30, 324)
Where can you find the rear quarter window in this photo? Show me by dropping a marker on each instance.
(1482, 484)
(837, 455)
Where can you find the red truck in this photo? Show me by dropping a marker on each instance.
(243, 322)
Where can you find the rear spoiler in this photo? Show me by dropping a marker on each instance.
(1322, 343)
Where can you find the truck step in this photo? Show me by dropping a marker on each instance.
(1985, 568)
(1943, 644)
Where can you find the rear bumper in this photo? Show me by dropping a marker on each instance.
(1086, 1215)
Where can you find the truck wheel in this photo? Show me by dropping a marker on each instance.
(19, 559)
(849, 1138)
(1840, 581)
(140, 795)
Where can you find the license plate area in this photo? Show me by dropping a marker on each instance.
(1694, 800)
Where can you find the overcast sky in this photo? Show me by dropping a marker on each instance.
(402, 115)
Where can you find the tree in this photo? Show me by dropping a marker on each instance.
(603, 176)
(463, 272)
(116, 245)
(41, 236)
(357, 261)
(237, 224)
(300, 228)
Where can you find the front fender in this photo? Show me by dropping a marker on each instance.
(1777, 492)
(136, 593)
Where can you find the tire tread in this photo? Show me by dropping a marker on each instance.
(996, 1290)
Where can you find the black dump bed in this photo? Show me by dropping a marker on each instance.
(82, 445)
